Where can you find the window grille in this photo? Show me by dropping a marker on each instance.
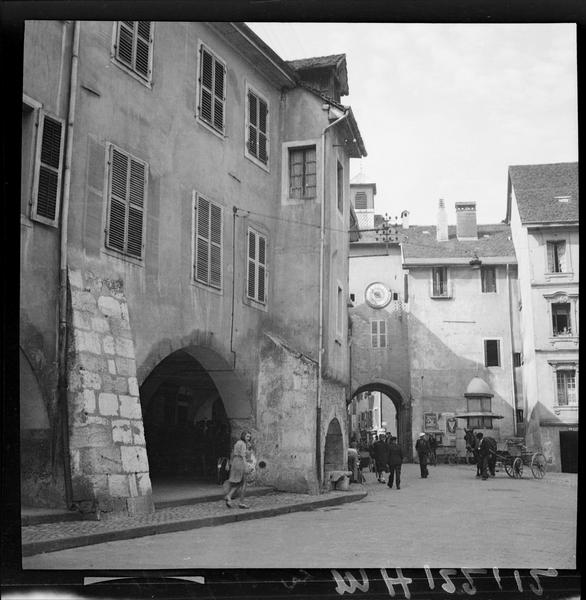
(258, 114)
(302, 172)
(208, 234)
(257, 266)
(127, 196)
(134, 46)
(212, 92)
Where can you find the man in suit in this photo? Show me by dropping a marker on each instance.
(395, 462)
(381, 457)
(422, 448)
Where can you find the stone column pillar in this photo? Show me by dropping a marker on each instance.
(109, 465)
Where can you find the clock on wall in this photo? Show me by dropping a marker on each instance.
(377, 295)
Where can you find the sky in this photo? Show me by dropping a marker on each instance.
(444, 109)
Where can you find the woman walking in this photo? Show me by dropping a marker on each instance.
(240, 466)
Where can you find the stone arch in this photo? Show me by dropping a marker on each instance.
(402, 406)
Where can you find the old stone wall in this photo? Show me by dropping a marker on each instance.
(109, 464)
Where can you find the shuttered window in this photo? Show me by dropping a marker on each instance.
(134, 46)
(257, 117)
(378, 331)
(49, 170)
(212, 89)
(127, 199)
(302, 172)
(360, 201)
(257, 266)
(207, 268)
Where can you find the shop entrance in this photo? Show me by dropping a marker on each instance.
(185, 421)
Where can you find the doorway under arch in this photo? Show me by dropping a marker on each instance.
(185, 421)
(396, 414)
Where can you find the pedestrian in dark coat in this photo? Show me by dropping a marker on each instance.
(422, 448)
(395, 462)
(432, 446)
(381, 457)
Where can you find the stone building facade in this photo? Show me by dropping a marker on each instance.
(184, 199)
(542, 210)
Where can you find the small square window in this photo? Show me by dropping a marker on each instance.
(492, 356)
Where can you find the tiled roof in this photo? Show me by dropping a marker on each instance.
(317, 62)
(419, 244)
(536, 188)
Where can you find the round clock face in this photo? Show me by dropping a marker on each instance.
(377, 295)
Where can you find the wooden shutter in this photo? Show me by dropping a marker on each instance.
(212, 80)
(143, 45)
(208, 243)
(256, 284)
(252, 124)
(263, 111)
(49, 174)
(133, 46)
(127, 203)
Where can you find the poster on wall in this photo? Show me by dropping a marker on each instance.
(430, 421)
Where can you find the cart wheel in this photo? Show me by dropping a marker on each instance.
(538, 465)
(517, 468)
(509, 468)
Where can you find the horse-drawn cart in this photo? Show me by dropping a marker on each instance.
(515, 456)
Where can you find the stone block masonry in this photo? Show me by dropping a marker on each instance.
(109, 461)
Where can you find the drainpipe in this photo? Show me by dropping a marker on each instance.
(513, 389)
(321, 298)
(62, 385)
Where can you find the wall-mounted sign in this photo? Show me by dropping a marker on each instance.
(451, 424)
(430, 421)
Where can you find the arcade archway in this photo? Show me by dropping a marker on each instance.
(379, 406)
(186, 424)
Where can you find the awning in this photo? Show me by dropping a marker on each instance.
(489, 415)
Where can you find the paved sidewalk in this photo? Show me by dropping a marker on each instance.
(50, 537)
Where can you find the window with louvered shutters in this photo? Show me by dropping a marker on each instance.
(257, 265)
(360, 201)
(48, 182)
(127, 203)
(302, 172)
(207, 267)
(212, 78)
(257, 117)
(134, 46)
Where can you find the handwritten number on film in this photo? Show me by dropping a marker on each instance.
(348, 583)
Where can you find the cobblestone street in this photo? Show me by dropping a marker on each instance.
(449, 519)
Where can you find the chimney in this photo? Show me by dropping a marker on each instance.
(466, 228)
(442, 222)
(405, 219)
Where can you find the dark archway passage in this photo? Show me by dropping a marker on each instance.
(401, 416)
(185, 421)
(334, 448)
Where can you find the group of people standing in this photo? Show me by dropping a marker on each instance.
(388, 457)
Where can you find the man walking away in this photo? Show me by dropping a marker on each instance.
(422, 448)
(395, 462)
(381, 457)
